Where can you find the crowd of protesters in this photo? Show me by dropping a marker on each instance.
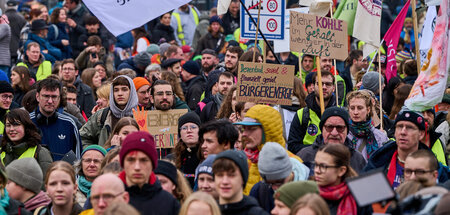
(73, 98)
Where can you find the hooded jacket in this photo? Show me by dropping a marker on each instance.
(53, 54)
(42, 69)
(151, 199)
(85, 97)
(193, 91)
(162, 31)
(247, 206)
(272, 126)
(357, 161)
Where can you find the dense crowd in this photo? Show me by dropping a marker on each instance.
(75, 134)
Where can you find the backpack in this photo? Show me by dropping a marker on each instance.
(56, 30)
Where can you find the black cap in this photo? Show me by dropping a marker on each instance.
(169, 62)
(413, 117)
(6, 87)
(38, 24)
(167, 169)
(333, 111)
(11, 3)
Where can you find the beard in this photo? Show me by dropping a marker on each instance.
(207, 68)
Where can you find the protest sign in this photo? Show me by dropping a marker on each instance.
(319, 36)
(163, 125)
(265, 83)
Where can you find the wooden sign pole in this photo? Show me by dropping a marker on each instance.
(319, 80)
(334, 61)
(380, 90)
(257, 27)
(416, 34)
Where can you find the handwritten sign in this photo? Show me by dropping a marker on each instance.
(319, 36)
(265, 83)
(163, 125)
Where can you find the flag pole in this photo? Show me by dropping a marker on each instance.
(256, 33)
(334, 61)
(319, 79)
(380, 92)
(416, 35)
(259, 30)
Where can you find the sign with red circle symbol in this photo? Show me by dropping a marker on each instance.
(272, 25)
(272, 5)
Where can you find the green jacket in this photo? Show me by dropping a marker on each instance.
(42, 72)
(93, 132)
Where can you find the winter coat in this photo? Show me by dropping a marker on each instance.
(77, 14)
(247, 206)
(162, 31)
(151, 199)
(16, 208)
(380, 137)
(18, 95)
(129, 64)
(307, 154)
(16, 22)
(83, 61)
(193, 91)
(5, 40)
(85, 97)
(230, 23)
(201, 30)
(38, 71)
(53, 54)
(56, 33)
(76, 209)
(93, 132)
(272, 126)
(209, 41)
(13, 152)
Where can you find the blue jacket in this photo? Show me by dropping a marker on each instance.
(53, 52)
(129, 64)
(55, 38)
(59, 133)
(381, 158)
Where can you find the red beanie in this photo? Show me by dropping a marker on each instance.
(141, 141)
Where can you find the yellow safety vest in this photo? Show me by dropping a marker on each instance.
(29, 153)
(312, 128)
(44, 70)
(180, 27)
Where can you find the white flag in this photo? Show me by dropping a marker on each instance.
(120, 16)
(222, 6)
(427, 33)
(367, 24)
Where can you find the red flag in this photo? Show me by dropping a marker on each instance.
(391, 37)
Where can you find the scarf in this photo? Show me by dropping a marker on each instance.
(392, 168)
(363, 130)
(84, 185)
(252, 155)
(131, 104)
(40, 199)
(4, 200)
(347, 204)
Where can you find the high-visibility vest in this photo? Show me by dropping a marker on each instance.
(180, 27)
(312, 128)
(29, 153)
(44, 70)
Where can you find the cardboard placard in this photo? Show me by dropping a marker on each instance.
(163, 125)
(319, 36)
(265, 83)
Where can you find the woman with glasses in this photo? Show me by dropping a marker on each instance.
(21, 138)
(186, 152)
(61, 188)
(331, 168)
(364, 137)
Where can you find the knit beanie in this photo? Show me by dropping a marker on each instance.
(289, 193)
(186, 48)
(153, 49)
(167, 169)
(413, 117)
(402, 56)
(142, 141)
(205, 166)
(188, 117)
(27, 173)
(370, 81)
(142, 58)
(309, 78)
(239, 158)
(5, 87)
(163, 48)
(139, 82)
(209, 51)
(333, 111)
(273, 162)
(446, 98)
(215, 19)
(192, 67)
(96, 148)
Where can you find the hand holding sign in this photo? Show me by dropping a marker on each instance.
(140, 115)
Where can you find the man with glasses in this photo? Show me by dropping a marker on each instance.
(58, 130)
(163, 98)
(305, 125)
(106, 190)
(421, 165)
(409, 130)
(334, 127)
(89, 168)
(6, 98)
(85, 96)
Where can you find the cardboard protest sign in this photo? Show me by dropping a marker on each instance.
(265, 83)
(163, 125)
(319, 36)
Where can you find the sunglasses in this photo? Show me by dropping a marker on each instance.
(339, 128)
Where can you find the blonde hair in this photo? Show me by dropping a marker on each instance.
(312, 201)
(203, 197)
(183, 189)
(103, 91)
(364, 95)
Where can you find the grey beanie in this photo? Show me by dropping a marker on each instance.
(274, 163)
(370, 81)
(27, 173)
(163, 48)
(142, 58)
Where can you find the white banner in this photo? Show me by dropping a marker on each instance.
(120, 16)
(427, 33)
(367, 24)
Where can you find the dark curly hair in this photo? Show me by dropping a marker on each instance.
(20, 116)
